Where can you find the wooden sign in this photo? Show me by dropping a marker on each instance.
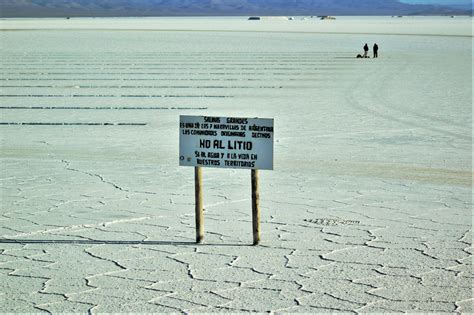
(226, 142)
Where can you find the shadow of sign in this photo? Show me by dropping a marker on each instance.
(107, 242)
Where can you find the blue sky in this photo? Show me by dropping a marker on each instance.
(437, 1)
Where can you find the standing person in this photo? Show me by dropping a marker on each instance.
(366, 50)
(376, 50)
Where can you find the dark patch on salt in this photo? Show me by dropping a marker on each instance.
(327, 221)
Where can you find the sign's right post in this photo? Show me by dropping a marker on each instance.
(255, 207)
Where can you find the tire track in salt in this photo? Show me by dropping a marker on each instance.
(390, 111)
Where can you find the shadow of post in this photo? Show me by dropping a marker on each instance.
(110, 242)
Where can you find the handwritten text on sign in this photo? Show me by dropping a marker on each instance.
(227, 142)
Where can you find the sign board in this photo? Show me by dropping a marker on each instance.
(226, 142)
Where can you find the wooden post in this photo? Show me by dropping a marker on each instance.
(198, 200)
(255, 208)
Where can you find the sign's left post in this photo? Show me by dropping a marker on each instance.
(198, 203)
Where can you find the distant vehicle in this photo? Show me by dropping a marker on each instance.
(254, 18)
(327, 17)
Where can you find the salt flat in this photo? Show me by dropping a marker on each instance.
(369, 208)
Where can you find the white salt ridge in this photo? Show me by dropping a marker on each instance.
(409, 25)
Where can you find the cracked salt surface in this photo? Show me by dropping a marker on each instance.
(369, 208)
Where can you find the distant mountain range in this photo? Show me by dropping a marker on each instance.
(462, 6)
(104, 8)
